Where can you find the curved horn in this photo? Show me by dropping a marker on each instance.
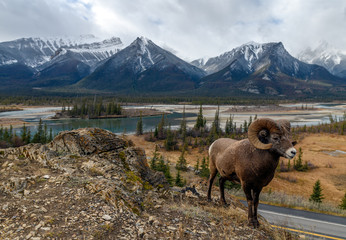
(284, 124)
(257, 126)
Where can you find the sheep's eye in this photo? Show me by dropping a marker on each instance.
(276, 138)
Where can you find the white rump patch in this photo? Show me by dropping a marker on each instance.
(210, 147)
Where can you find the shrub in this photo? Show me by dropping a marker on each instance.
(343, 202)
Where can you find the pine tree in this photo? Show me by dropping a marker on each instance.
(245, 126)
(169, 142)
(216, 123)
(178, 180)
(215, 131)
(45, 134)
(161, 166)
(10, 133)
(182, 129)
(109, 108)
(316, 195)
(6, 135)
(153, 161)
(167, 174)
(250, 121)
(2, 133)
(182, 163)
(197, 165)
(24, 134)
(200, 121)
(139, 130)
(28, 136)
(156, 133)
(160, 128)
(298, 164)
(343, 202)
(204, 168)
(38, 137)
(227, 129)
(50, 138)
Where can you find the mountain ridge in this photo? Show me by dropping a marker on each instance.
(266, 69)
(88, 64)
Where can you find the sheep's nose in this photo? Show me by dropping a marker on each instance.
(293, 152)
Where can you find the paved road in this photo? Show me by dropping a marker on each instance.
(322, 225)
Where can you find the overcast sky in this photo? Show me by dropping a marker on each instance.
(190, 28)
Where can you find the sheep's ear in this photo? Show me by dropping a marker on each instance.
(263, 136)
(294, 143)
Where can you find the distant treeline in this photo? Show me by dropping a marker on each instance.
(92, 108)
(336, 126)
(69, 101)
(9, 137)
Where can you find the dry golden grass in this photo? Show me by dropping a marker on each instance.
(331, 170)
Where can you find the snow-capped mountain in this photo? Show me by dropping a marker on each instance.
(35, 52)
(56, 61)
(247, 55)
(265, 68)
(332, 59)
(143, 66)
(199, 62)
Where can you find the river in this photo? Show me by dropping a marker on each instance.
(316, 113)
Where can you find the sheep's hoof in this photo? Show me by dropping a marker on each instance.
(253, 223)
(224, 204)
(209, 200)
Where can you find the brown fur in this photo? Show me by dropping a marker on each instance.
(240, 161)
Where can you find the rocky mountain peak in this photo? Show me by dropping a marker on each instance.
(325, 55)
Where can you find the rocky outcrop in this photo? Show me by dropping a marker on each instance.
(98, 145)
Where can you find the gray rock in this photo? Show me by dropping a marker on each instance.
(106, 217)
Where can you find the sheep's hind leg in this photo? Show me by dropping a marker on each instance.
(212, 176)
(256, 194)
(222, 190)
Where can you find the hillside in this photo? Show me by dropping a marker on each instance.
(91, 184)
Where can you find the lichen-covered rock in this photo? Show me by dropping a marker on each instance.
(86, 141)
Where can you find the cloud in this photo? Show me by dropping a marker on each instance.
(21, 18)
(194, 28)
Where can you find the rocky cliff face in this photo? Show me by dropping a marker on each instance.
(91, 184)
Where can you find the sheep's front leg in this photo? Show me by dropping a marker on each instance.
(250, 205)
(256, 194)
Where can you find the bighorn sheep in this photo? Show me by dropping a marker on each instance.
(251, 162)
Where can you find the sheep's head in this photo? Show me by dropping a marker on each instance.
(266, 133)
